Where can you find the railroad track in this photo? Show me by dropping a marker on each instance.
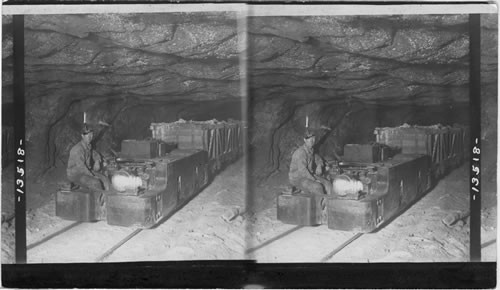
(53, 235)
(326, 258)
(116, 246)
(74, 226)
(341, 247)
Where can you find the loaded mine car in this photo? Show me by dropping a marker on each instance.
(376, 182)
(153, 178)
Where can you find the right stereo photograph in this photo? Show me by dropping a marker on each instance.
(359, 138)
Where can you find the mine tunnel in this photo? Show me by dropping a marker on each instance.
(341, 76)
(344, 77)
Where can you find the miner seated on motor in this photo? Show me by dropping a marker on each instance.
(306, 168)
(84, 164)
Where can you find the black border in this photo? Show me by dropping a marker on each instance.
(475, 133)
(19, 138)
(246, 274)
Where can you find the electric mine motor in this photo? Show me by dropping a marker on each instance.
(152, 178)
(376, 181)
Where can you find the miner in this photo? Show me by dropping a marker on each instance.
(306, 168)
(84, 164)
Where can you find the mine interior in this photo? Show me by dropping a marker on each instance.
(345, 75)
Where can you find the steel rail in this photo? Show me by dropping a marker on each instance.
(53, 235)
(324, 259)
(76, 224)
(339, 248)
(272, 240)
(117, 245)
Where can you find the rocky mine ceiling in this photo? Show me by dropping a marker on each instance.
(412, 59)
(161, 57)
(147, 56)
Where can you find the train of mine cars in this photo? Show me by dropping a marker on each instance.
(153, 178)
(373, 184)
(376, 182)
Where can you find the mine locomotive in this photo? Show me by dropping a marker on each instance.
(375, 182)
(153, 178)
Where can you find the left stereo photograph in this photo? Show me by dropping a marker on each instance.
(134, 136)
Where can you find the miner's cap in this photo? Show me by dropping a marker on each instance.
(86, 129)
(308, 134)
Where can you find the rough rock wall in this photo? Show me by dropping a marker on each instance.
(489, 107)
(384, 70)
(128, 68)
(7, 72)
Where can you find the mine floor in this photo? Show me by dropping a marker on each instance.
(417, 235)
(198, 231)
